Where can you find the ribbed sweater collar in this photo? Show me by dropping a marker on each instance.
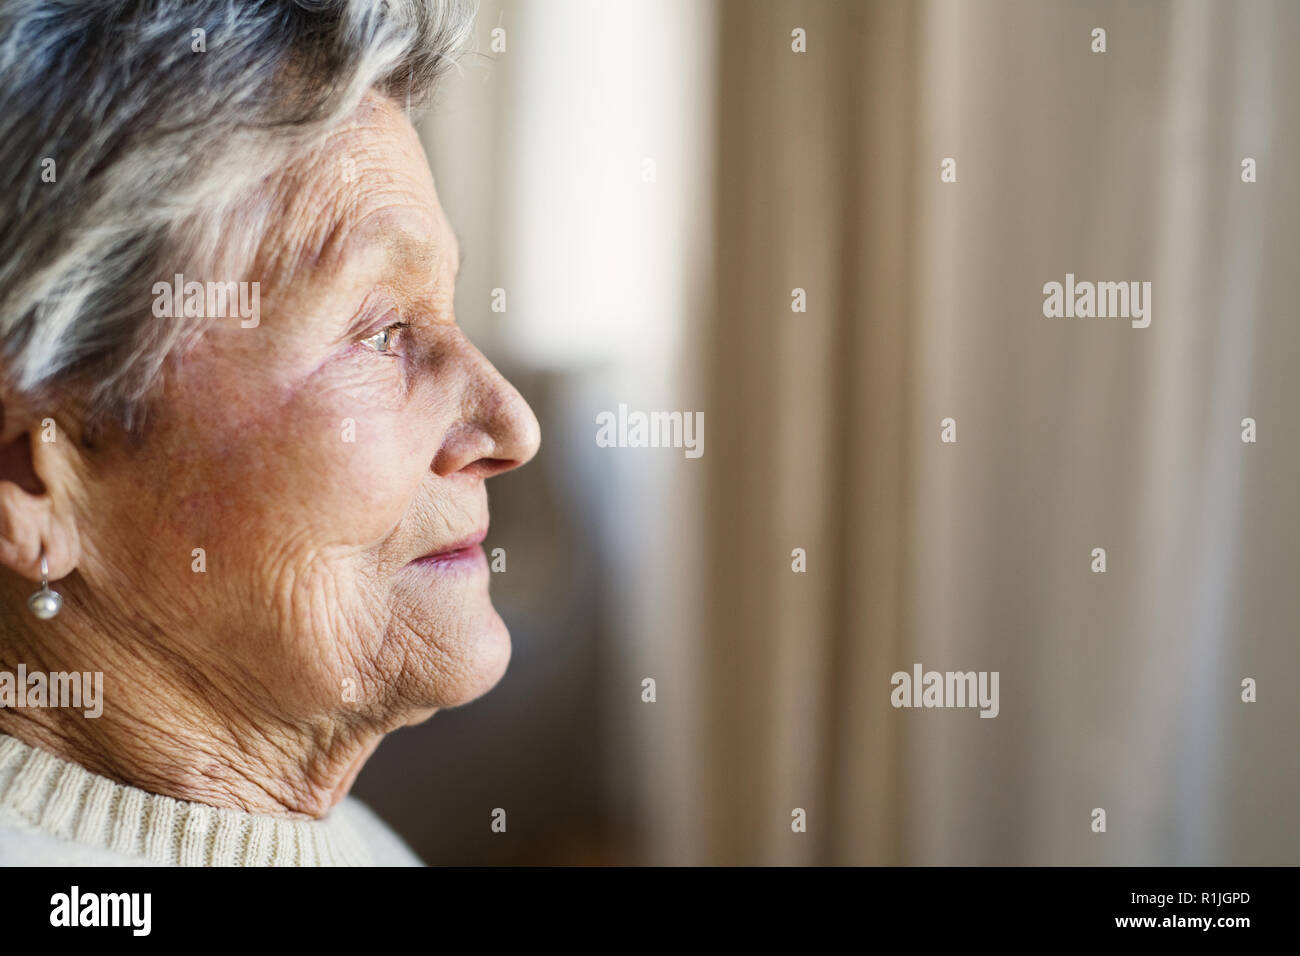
(67, 801)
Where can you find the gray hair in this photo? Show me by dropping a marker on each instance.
(151, 141)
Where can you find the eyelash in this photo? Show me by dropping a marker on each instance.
(395, 327)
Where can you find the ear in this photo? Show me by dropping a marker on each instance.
(36, 481)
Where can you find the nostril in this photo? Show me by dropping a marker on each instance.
(487, 467)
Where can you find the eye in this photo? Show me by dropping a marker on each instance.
(383, 340)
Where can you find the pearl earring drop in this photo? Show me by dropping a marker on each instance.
(45, 603)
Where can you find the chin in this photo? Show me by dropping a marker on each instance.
(481, 653)
(486, 665)
(481, 660)
(466, 645)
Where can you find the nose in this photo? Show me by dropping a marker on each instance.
(498, 431)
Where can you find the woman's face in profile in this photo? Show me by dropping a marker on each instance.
(329, 462)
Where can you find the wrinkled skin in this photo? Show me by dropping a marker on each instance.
(265, 681)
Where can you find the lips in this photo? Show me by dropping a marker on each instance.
(466, 549)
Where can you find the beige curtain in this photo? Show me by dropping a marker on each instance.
(1120, 690)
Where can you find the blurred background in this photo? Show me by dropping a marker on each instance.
(640, 187)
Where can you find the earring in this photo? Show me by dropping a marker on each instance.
(45, 603)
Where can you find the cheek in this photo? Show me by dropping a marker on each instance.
(352, 473)
(295, 495)
(294, 507)
(337, 465)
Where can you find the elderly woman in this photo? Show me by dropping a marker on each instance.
(245, 443)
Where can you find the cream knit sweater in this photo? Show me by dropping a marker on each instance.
(55, 813)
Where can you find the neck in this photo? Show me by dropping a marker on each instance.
(166, 730)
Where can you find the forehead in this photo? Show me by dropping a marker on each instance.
(365, 185)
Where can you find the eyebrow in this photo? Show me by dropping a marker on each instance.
(405, 249)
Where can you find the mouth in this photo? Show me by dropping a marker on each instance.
(465, 552)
